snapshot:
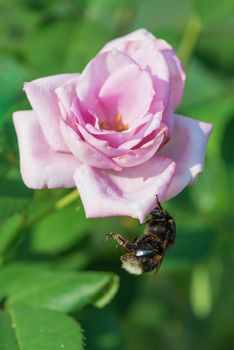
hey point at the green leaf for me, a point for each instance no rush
(213, 10)
(215, 45)
(59, 231)
(53, 41)
(17, 25)
(4, 164)
(165, 18)
(86, 41)
(102, 328)
(114, 15)
(201, 297)
(12, 76)
(190, 247)
(8, 230)
(201, 88)
(207, 98)
(195, 236)
(216, 42)
(58, 290)
(216, 36)
(14, 196)
(37, 329)
(227, 154)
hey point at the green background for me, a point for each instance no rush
(48, 248)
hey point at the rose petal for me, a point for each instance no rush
(140, 34)
(70, 107)
(101, 145)
(95, 74)
(168, 85)
(84, 152)
(153, 123)
(66, 93)
(187, 148)
(169, 118)
(40, 165)
(160, 58)
(129, 192)
(142, 154)
(42, 97)
(177, 75)
(127, 92)
(142, 47)
(147, 55)
(117, 139)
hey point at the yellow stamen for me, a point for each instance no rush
(125, 126)
(118, 118)
(119, 127)
(116, 125)
(104, 125)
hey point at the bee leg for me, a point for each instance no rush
(158, 203)
(123, 242)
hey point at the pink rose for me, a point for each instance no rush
(111, 130)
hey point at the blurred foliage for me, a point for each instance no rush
(52, 258)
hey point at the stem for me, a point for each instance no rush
(6, 254)
(189, 40)
(66, 200)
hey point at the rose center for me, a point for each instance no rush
(116, 124)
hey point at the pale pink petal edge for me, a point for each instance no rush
(130, 192)
(40, 166)
(44, 102)
(187, 147)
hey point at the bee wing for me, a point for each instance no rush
(158, 261)
(158, 265)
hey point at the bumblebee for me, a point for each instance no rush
(145, 253)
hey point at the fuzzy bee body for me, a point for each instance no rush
(145, 253)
